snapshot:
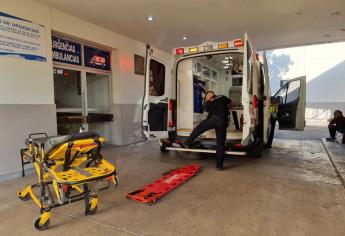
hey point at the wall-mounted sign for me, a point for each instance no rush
(139, 64)
(96, 58)
(21, 38)
(66, 51)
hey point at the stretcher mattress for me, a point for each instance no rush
(52, 142)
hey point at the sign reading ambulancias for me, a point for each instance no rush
(66, 51)
(21, 38)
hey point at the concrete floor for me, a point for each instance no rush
(292, 190)
(310, 133)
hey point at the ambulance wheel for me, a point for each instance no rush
(163, 149)
(41, 227)
(25, 197)
(255, 152)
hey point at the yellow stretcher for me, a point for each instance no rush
(69, 164)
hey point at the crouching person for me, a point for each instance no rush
(337, 124)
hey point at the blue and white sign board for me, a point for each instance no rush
(66, 51)
(21, 38)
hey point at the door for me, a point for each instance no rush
(156, 98)
(247, 91)
(291, 98)
(97, 104)
(69, 100)
(82, 101)
(267, 100)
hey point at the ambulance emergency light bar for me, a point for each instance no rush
(209, 46)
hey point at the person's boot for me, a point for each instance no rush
(330, 139)
(219, 167)
(187, 144)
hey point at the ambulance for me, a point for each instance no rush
(173, 100)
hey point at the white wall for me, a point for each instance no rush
(23, 81)
(31, 83)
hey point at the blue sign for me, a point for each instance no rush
(66, 51)
(96, 58)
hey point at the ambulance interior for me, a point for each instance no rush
(221, 73)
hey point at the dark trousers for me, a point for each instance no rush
(220, 126)
(333, 130)
(271, 134)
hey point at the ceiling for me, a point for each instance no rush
(270, 23)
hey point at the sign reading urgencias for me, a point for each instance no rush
(21, 38)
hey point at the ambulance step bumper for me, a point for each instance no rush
(238, 153)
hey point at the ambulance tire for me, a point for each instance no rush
(163, 149)
(255, 152)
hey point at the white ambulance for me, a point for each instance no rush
(173, 101)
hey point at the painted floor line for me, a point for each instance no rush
(333, 163)
(117, 228)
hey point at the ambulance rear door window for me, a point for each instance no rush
(157, 78)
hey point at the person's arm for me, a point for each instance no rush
(332, 122)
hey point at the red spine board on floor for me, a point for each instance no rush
(152, 192)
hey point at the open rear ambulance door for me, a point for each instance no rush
(292, 102)
(156, 97)
(247, 91)
(267, 100)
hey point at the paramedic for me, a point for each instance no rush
(217, 118)
(336, 124)
(274, 115)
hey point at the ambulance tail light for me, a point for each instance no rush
(179, 51)
(171, 105)
(255, 101)
(171, 122)
(238, 43)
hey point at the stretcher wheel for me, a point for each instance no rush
(41, 227)
(25, 197)
(117, 181)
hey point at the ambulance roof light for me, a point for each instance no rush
(223, 45)
(179, 51)
(193, 50)
(238, 43)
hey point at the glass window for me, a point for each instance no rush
(293, 91)
(157, 78)
(67, 88)
(97, 92)
(281, 94)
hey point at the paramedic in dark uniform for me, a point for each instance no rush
(218, 118)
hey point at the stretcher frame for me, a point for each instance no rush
(62, 169)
